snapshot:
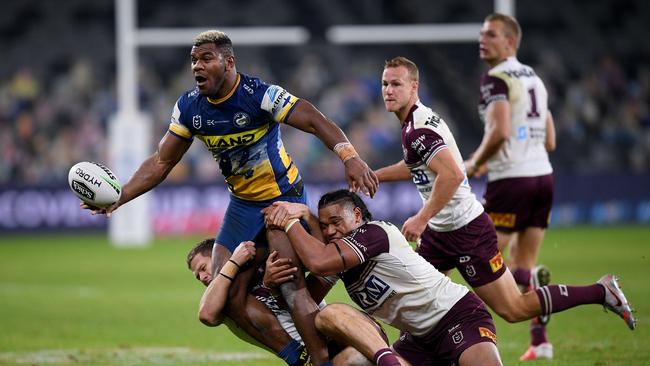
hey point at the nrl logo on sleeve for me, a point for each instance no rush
(196, 121)
(241, 119)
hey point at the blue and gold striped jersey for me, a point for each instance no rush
(242, 132)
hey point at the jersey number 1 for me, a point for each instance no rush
(533, 113)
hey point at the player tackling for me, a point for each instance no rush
(238, 118)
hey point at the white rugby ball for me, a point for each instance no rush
(94, 184)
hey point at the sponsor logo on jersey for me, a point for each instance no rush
(212, 122)
(230, 141)
(373, 290)
(484, 332)
(496, 262)
(503, 219)
(248, 89)
(217, 143)
(419, 176)
(522, 133)
(519, 73)
(464, 259)
(196, 122)
(433, 121)
(82, 189)
(241, 119)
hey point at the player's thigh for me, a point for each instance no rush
(481, 354)
(503, 296)
(279, 241)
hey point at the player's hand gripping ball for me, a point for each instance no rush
(94, 184)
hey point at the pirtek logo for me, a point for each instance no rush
(496, 262)
(88, 178)
(230, 141)
(82, 189)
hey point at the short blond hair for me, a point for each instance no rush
(219, 38)
(511, 25)
(411, 67)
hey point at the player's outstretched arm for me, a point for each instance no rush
(395, 172)
(215, 296)
(309, 119)
(319, 258)
(151, 172)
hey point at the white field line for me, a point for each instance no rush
(126, 356)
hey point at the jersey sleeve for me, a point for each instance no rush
(278, 102)
(368, 241)
(177, 126)
(493, 88)
(423, 144)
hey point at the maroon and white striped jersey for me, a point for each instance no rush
(524, 153)
(424, 134)
(394, 283)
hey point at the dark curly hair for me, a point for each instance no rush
(344, 196)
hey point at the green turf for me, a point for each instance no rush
(75, 300)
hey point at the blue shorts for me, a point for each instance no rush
(244, 220)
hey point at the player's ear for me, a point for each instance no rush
(230, 62)
(358, 215)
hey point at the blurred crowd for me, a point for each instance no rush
(53, 117)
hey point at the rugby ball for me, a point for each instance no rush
(94, 184)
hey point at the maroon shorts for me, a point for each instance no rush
(517, 203)
(472, 249)
(466, 324)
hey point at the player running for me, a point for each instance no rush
(452, 229)
(519, 132)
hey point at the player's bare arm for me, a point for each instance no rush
(549, 142)
(214, 298)
(395, 172)
(309, 119)
(448, 179)
(281, 211)
(319, 258)
(151, 172)
(497, 130)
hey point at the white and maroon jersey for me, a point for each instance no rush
(524, 153)
(424, 134)
(394, 283)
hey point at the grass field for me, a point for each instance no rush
(75, 300)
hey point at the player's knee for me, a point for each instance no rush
(325, 319)
(512, 314)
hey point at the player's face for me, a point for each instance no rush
(338, 220)
(209, 68)
(494, 45)
(201, 266)
(397, 88)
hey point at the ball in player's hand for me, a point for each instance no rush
(94, 184)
